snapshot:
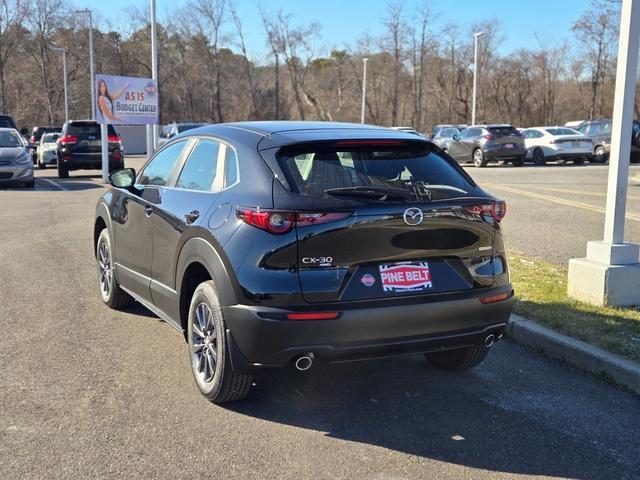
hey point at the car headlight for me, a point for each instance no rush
(23, 158)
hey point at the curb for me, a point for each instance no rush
(586, 357)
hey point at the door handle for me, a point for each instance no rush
(148, 211)
(192, 216)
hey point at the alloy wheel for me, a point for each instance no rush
(105, 270)
(204, 345)
(478, 158)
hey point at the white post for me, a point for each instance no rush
(475, 75)
(92, 72)
(104, 143)
(364, 88)
(611, 272)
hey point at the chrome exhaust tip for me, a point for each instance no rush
(304, 362)
(490, 340)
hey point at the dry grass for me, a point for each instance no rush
(541, 295)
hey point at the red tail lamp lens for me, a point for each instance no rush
(497, 210)
(495, 298)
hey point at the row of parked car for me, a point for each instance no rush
(503, 143)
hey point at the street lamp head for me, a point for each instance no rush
(365, 59)
(478, 34)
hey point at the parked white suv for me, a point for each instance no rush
(561, 144)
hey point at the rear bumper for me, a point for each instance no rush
(91, 162)
(361, 333)
(504, 153)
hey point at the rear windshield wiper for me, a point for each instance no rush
(377, 191)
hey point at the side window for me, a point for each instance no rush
(593, 129)
(199, 170)
(159, 169)
(231, 167)
(606, 128)
(465, 133)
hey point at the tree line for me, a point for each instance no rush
(420, 72)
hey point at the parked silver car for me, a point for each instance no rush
(444, 137)
(16, 166)
(48, 150)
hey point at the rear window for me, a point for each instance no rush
(315, 170)
(184, 128)
(562, 131)
(88, 129)
(503, 131)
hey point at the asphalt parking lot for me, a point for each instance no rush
(90, 392)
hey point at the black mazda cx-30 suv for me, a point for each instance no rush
(276, 243)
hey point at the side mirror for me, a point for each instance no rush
(124, 178)
(456, 137)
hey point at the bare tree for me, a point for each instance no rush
(12, 15)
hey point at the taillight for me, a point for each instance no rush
(269, 220)
(113, 139)
(496, 210)
(68, 140)
(274, 221)
(488, 137)
(313, 316)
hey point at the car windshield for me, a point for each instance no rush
(562, 131)
(408, 171)
(10, 140)
(50, 138)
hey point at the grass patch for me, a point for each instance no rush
(541, 295)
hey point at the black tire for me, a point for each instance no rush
(62, 171)
(208, 349)
(538, 157)
(578, 161)
(113, 296)
(459, 358)
(518, 162)
(599, 154)
(478, 158)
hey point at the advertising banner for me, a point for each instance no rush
(126, 100)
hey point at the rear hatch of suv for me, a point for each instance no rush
(379, 219)
(505, 138)
(83, 138)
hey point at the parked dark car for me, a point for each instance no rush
(276, 243)
(600, 133)
(6, 121)
(482, 144)
(437, 128)
(79, 147)
(36, 136)
(172, 129)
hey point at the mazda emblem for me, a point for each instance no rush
(413, 216)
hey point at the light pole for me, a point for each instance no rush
(153, 130)
(64, 74)
(364, 88)
(91, 68)
(475, 75)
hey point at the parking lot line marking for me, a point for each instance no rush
(579, 192)
(55, 184)
(561, 201)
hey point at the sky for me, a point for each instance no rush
(344, 21)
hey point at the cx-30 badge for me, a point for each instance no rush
(413, 216)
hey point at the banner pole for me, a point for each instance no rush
(104, 143)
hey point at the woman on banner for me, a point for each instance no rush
(105, 102)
